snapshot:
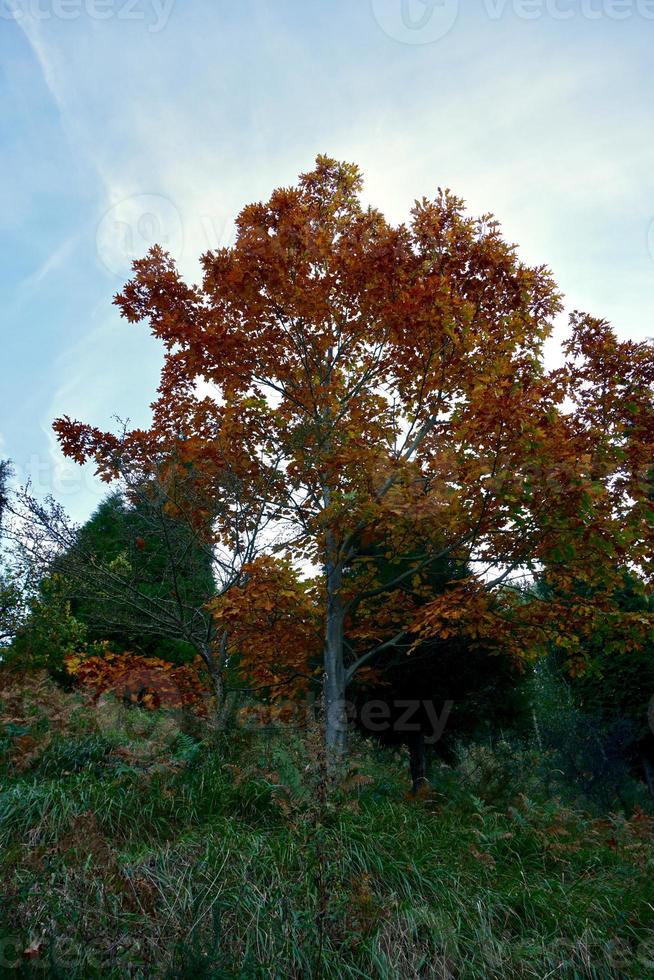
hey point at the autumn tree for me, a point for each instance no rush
(390, 379)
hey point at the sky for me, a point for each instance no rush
(126, 122)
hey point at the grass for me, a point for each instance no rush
(142, 850)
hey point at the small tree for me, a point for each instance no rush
(48, 631)
(168, 554)
(11, 593)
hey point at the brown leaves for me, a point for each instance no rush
(145, 681)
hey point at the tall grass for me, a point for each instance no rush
(235, 857)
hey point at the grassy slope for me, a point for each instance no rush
(129, 848)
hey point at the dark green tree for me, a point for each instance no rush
(442, 691)
(614, 692)
(162, 567)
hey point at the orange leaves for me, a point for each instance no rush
(466, 608)
(146, 681)
(504, 621)
(273, 626)
(365, 381)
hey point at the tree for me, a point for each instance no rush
(5, 472)
(389, 380)
(168, 554)
(440, 691)
(11, 594)
(122, 533)
(611, 680)
(47, 632)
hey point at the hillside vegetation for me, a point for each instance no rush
(140, 843)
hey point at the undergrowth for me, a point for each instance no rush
(148, 848)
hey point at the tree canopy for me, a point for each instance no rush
(366, 381)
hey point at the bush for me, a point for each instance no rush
(587, 758)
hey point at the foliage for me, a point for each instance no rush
(139, 569)
(49, 632)
(125, 536)
(12, 606)
(273, 624)
(388, 381)
(601, 727)
(615, 676)
(147, 682)
(11, 592)
(470, 676)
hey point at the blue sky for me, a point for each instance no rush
(126, 121)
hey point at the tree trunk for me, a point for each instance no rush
(218, 688)
(418, 762)
(214, 664)
(335, 712)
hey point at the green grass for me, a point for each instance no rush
(232, 858)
